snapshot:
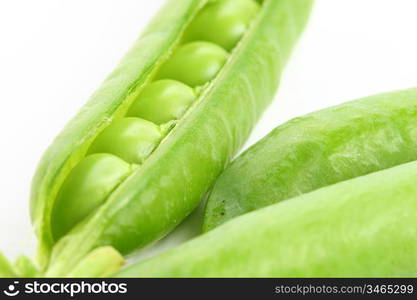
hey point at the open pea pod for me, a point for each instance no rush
(316, 150)
(139, 156)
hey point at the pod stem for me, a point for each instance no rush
(6, 269)
(99, 263)
(25, 267)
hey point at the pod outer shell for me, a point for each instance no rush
(363, 227)
(316, 150)
(170, 184)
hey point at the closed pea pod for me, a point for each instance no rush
(363, 227)
(316, 150)
(172, 156)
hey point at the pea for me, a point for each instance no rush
(363, 227)
(86, 188)
(223, 22)
(132, 139)
(194, 63)
(162, 101)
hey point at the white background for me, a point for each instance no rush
(54, 53)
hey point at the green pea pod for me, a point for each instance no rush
(125, 182)
(363, 227)
(316, 150)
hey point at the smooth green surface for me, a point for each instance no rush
(363, 227)
(223, 22)
(166, 188)
(163, 101)
(195, 63)
(316, 150)
(131, 139)
(85, 189)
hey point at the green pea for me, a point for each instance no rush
(223, 22)
(194, 64)
(132, 139)
(163, 101)
(87, 187)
